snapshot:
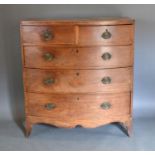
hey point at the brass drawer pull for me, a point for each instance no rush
(105, 105)
(48, 56)
(106, 34)
(48, 81)
(106, 56)
(47, 35)
(49, 106)
(106, 80)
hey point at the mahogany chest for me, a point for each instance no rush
(78, 72)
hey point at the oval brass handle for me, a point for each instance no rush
(106, 80)
(106, 56)
(105, 105)
(48, 56)
(48, 81)
(106, 34)
(49, 106)
(47, 35)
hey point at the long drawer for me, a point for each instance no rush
(78, 106)
(48, 57)
(74, 81)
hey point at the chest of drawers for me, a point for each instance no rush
(78, 72)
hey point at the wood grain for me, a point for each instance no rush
(77, 58)
(90, 21)
(91, 123)
(61, 34)
(77, 106)
(74, 81)
(120, 35)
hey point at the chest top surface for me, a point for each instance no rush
(91, 21)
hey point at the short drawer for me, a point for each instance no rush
(106, 35)
(48, 34)
(74, 81)
(47, 57)
(78, 106)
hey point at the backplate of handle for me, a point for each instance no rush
(106, 56)
(48, 56)
(105, 105)
(49, 106)
(106, 80)
(106, 34)
(48, 35)
(48, 81)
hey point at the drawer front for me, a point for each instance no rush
(78, 106)
(48, 34)
(74, 81)
(106, 35)
(80, 58)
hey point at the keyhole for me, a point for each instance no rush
(77, 74)
(78, 98)
(77, 51)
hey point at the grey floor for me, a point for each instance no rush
(108, 137)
